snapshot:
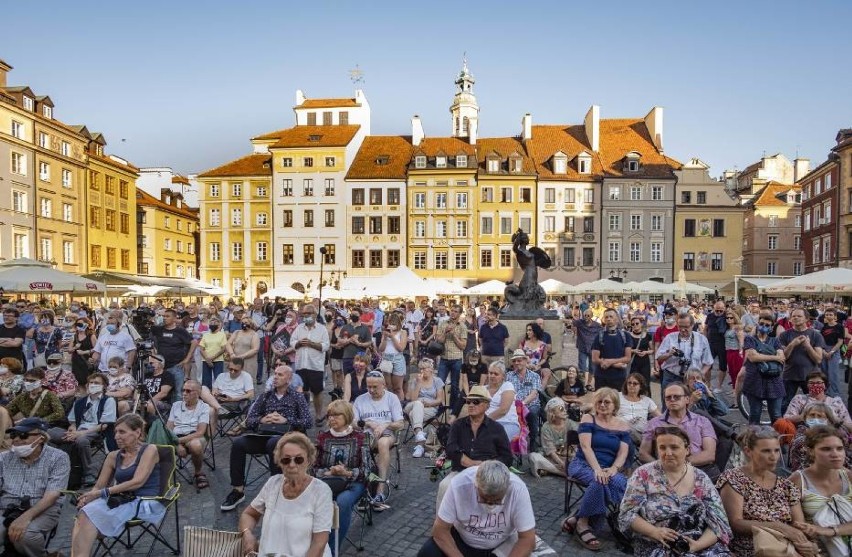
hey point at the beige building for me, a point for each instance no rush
(772, 231)
(708, 228)
(167, 230)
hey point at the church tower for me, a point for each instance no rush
(465, 110)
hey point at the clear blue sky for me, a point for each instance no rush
(188, 83)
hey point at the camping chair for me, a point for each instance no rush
(208, 456)
(571, 483)
(169, 494)
(232, 415)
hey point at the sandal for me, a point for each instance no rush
(588, 540)
(201, 481)
(569, 525)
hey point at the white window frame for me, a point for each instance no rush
(614, 251)
(614, 221)
(635, 193)
(440, 161)
(43, 171)
(215, 251)
(237, 189)
(17, 129)
(67, 178)
(68, 252)
(420, 161)
(43, 140)
(261, 219)
(419, 200)
(65, 148)
(656, 252)
(261, 251)
(67, 212)
(461, 200)
(441, 200)
(656, 193)
(236, 251)
(635, 252)
(635, 222)
(461, 161)
(215, 217)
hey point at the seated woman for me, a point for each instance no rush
(342, 462)
(11, 379)
(571, 388)
(554, 442)
(814, 415)
(536, 350)
(501, 408)
(60, 379)
(296, 509)
(816, 393)
(131, 471)
(671, 504)
(604, 447)
(754, 496)
(427, 395)
(826, 485)
(702, 398)
(636, 406)
(121, 385)
(355, 382)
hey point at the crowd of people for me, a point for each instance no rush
(325, 391)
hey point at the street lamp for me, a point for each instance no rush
(618, 275)
(323, 251)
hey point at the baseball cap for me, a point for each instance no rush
(55, 356)
(29, 424)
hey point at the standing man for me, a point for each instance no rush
(667, 327)
(527, 384)
(176, 345)
(804, 349)
(311, 342)
(611, 353)
(378, 321)
(587, 331)
(493, 338)
(354, 337)
(413, 317)
(453, 333)
(12, 337)
(258, 317)
(715, 326)
(834, 334)
(750, 318)
(678, 353)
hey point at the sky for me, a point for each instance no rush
(186, 84)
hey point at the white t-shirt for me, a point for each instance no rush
(234, 387)
(90, 416)
(288, 524)
(109, 346)
(511, 416)
(479, 526)
(636, 413)
(383, 411)
(185, 420)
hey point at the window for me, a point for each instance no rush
(307, 162)
(797, 268)
(826, 249)
(772, 241)
(485, 258)
(588, 225)
(526, 195)
(109, 188)
(393, 196)
(560, 165)
(493, 165)
(686, 197)
(505, 195)
(260, 191)
(167, 244)
(287, 187)
(441, 260)
(237, 190)
(28, 103)
(815, 251)
(614, 252)
(375, 196)
(287, 254)
(461, 201)
(357, 225)
(308, 254)
(656, 222)
(549, 223)
(506, 225)
(329, 187)
(584, 165)
(19, 163)
(287, 162)
(358, 196)
(65, 148)
(656, 193)
(190, 248)
(570, 223)
(635, 222)
(394, 226)
(689, 228)
(47, 112)
(656, 252)
(771, 267)
(487, 195)
(46, 249)
(287, 218)
(615, 222)
(486, 225)
(568, 257)
(588, 196)
(461, 260)
(718, 228)
(828, 181)
(633, 166)
(715, 261)
(797, 243)
(308, 187)
(124, 223)
(375, 225)
(17, 129)
(420, 161)
(67, 212)
(109, 220)
(260, 251)
(550, 195)
(588, 257)
(807, 224)
(773, 221)
(19, 201)
(261, 219)
(441, 229)
(701, 198)
(43, 171)
(525, 224)
(95, 217)
(570, 195)
(826, 212)
(236, 217)
(46, 207)
(330, 162)
(689, 261)
(461, 229)
(95, 255)
(68, 253)
(308, 218)
(818, 186)
(179, 246)
(635, 252)
(419, 229)
(419, 259)
(110, 258)
(614, 193)
(66, 178)
(441, 200)
(125, 259)
(440, 161)
(419, 200)
(376, 258)
(329, 257)
(43, 140)
(505, 258)
(215, 251)
(343, 118)
(461, 161)
(329, 218)
(20, 246)
(167, 222)
(635, 193)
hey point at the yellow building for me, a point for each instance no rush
(111, 210)
(235, 206)
(506, 201)
(167, 235)
(708, 233)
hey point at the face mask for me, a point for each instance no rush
(45, 322)
(288, 320)
(96, 389)
(22, 451)
(816, 390)
(3, 370)
(782, 314)
(764, 329)
(811, 422)
(53, 367)
(670, 321)
(309, 321)
(328, 317)
(30, 386)
(149, 368)
(355, 318)
(111, 329)
(75, 308)
(214, 328)
(244, 327)
(113, 371)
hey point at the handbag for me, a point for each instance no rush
(204, 542)
(338, 484)
(40, 359)
(435, 348)
(386, 366)
(836, 511)
(769, 542)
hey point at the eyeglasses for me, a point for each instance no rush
(674, 397)
(729, 319)
(474, 401)
(20, 435)
(234, 369)
(286, 460)
(816, 382)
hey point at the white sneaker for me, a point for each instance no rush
(420, 437)
(418, 451)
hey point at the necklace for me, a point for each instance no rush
(682, 476)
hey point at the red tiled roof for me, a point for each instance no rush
(258, 164)
(180, 180)
(316, 136)
(381, 157)
(547, 140)
(503, 146)
(328, 103)
(105, 159)
(449, 146)
(144, 199)
(768, 195)
(270, 136)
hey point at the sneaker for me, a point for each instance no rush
(89, 480)
(379, 504)
(420, 437)
(233, 499)
(418, 451)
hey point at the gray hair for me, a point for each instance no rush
(687, 315)
(695, 374)
(492, 478)
(499, 366)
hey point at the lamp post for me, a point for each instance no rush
(323, 251)
(618, 275)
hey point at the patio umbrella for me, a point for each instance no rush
(553, 287)
(292, 294)
(492, 287)
(28, 275)
(829, 281)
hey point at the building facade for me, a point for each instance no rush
(166, 229)
(772, 229)
(821, 216)
(770, 168)
(843, 150)
(708, 228)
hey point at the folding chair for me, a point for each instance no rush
(261, 459)
(209, 458)
(233, 414)
(572, 483)
(169, 495)
(439, 417)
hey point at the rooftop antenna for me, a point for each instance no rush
(356, 75)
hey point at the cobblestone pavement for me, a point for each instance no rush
(399, 531)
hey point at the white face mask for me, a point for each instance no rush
(4, 369)
(23, 451)
(53, 367)
(113, 371)
(30, 386)
(96, 389)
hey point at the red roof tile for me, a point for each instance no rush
(769, 194)
(144, 199)
(258, 164)
(328, 103)
(503, 147)
(449, 146)
(316, 136)
(381, 157)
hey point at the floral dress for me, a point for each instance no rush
(759, 503)
(47, 342)
(118, 382)
(63, 383)
(650, 496)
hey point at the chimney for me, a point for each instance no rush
(300, 97)
(800, 168)
(4, 69)
(416, 130)
(526, 125)
(473, 124)
(593, 127)
(654, 123)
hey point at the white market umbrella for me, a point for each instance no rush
(648, 287)
(402, 282)
(553, 287)
(447, 288)
(492, 287)
(600, 286)
(28, 275)
(291, 293)
(829, 281)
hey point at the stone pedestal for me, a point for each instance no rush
(518, 329)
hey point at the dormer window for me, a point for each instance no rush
(382, 160)
(48, 112)
(560, 163)
(420, 161)
(515, 164)
(461, 161)
(28, 103)
(631, 161)
(100, 150)
(441, 161)
(168, 202)
(314, 137)
(493, 165)
(584, 163)
(179, 205)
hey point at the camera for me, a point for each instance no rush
(119, 499)
(677, 352)
(12, 511)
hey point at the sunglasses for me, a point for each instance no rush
(729, 319)
(474, 401)
(188, 391)
(19, 435)
(286, 460)
(674, 397)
